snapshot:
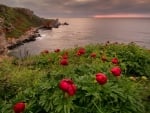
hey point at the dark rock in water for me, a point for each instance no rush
(37, 35)
(19, 42)
(46, 28)
(32, 38)
(48, 25)
(65, 23)
(11, 46)
(25, 40)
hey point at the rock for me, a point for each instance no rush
(49, 24)
(2, 50)
(2, 43)
(65, 23)
(29, 36)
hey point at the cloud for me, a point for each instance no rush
(82, 8)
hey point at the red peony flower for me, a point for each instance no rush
(68, 86)
(63, 85)
(45, 52)
(101, 78)
(103, 58)
(64, 62)
(116, 71)
(72, 90)
(93, 55)
(115, 61)
(19, 107)
(65, 56)
(80, 51)
(57, 50)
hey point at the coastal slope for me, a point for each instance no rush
(15, 23)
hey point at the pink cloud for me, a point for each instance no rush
(121, 16)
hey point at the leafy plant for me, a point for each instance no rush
(42, 82)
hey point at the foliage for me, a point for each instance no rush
(135, 58)
(35, 80)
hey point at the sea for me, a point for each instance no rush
(84, 31)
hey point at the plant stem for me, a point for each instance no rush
(97, 108)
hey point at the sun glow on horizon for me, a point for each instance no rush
(121, 16)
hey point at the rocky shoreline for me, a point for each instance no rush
(7, 45)
(32, 34)
(28, 36)
(16, 31)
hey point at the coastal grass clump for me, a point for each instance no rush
(102, 78)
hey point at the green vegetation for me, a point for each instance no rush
(18, 20)
(35, 80)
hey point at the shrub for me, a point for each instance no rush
(37, 82)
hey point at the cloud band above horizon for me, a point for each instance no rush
(83, 8)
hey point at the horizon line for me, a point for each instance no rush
(122, 16)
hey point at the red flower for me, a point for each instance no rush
(101, 78)
(93, 55)
(45, 52)
(19, 107)
(64, 62)
(80, 51)
(103, 58)
(116, 71)
(63, 85)
(68, 86)
(72, 89)
(65, 56)
(57, 50)
(115, 61)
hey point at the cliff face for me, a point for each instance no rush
(17, 26)
(2, 43)
(15, 22)
(2, 37)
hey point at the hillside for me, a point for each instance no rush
(15, 21)
(19, 25)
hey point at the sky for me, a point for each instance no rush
(84, 8)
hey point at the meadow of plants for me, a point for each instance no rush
(101, 78)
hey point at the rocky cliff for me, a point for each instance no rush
(16, 23)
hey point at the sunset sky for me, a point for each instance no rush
(84, 8)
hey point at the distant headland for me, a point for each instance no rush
(20, 25)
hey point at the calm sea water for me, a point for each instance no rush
(83, 31)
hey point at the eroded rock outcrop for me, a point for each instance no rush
(2, 44)
(19, 26)
(29, 36)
